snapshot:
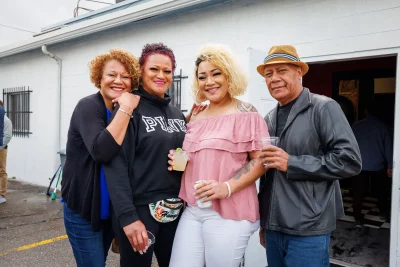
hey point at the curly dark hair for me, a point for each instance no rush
(126, 58)
(157, 48)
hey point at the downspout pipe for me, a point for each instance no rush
(59, 63)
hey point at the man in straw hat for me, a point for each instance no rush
(300, 198)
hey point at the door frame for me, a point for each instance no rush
(394, 222)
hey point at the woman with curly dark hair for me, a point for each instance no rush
(92, 142)
(144, 194)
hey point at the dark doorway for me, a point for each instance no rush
(354, 84)
(365, 82)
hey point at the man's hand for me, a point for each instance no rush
(275, 157)
(210, 190)
(389, 173)
(137, 236)
(262, 237)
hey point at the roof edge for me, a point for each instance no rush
(108, 21)
(90, 15)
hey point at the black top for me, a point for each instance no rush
(283, 114)
(89, 145)
(139, 174)
(2, 113)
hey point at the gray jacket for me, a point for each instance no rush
(7, 132)
(322, 148)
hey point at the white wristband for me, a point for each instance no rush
(229, 189)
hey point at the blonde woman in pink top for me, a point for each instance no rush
(223, 145)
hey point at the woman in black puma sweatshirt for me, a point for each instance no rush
(138, 175)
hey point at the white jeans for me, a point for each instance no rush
(204, 238)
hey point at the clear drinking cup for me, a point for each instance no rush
(180, 160)
(269, 141)
(151, 238)
(200, 203)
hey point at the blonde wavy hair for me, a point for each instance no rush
(223, 59)
(130, 62)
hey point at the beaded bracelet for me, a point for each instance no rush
(127, 113)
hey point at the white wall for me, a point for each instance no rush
(316, 28)
(33, 159)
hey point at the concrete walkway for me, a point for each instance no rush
(32, 231)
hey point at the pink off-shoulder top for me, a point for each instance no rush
(218, 148)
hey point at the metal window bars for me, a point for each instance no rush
(16, 102)
(175, 91)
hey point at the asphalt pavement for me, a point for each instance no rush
(32, 231)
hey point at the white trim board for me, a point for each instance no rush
(394, 232)
(384, 52)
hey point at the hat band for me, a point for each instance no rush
(288, 56)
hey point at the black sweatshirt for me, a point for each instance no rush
(89, 145)
(139, 174)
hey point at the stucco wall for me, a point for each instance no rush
(316, 28)
(33, 159)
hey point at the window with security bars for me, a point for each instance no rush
(17, 108)
(175, 91)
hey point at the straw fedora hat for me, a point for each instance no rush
(283, 54)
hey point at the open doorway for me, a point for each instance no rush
(355, 84)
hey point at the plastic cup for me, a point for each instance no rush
(269, 141)
(200, 203)
(151, 238)
(180, 160)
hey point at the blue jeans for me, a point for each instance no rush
(285, 250)
(90, 248)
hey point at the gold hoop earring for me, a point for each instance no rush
(197, 97)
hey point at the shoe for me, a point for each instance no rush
(359, 223)
(2, 199)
